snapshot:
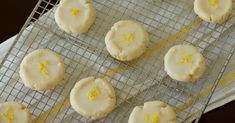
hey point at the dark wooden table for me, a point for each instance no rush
(15, 12)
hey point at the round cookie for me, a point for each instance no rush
(93, 98)
(214, 11)
(126, 40)
(184, 63)
(42, 69)
(75, 16)
(13, 112)
(153, 112)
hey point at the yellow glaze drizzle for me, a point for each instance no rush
(8, 115)
(43, 69)
(128, 37)
(213, 3)
(155, 118)
(93, 92)
(74, 11)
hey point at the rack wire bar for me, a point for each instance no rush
(168, 23)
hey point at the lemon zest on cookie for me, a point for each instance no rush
(155, 118)
(128, 37)
(186, 59)
(213, 3)
(42, 68)
(147, 117)
(8, 115)
(74, 11)
(93, 92)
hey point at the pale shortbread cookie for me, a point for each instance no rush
(93, 98)
(126, 40)
(42, 69)
(214, 11)
(184, 63)
(153, 112)
(14, 112)
(75, 16)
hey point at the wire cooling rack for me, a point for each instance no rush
(168, 23)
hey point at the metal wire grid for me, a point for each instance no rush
(85, 55)
(101, 29)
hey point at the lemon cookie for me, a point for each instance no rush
(214, 11)
(126, 40)
(75, 16)
(42, 69)
(184, 63)
(13, 112)
(153, 112)
(93, 98)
